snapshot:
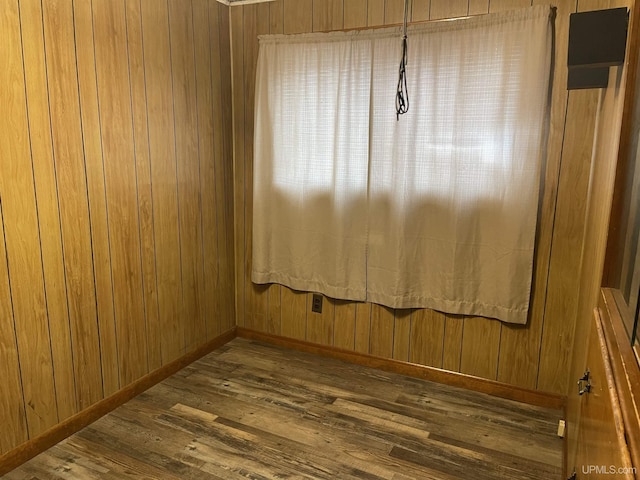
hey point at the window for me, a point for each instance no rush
(435, 210)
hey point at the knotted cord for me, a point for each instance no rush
(402, 94)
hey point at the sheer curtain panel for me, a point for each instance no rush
(435, 210)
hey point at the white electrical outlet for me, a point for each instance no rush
(561, 427)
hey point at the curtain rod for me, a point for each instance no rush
(552, 13)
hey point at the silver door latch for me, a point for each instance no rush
(584, 384)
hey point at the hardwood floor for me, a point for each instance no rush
(255, 411)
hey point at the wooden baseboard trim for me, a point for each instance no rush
(477, 384)
(19, 455)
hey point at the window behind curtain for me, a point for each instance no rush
(435, 210)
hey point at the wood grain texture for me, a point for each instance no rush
(185, 100)
(563, 290)
(250, 410)
(438, 375)
(219, 28)
(355, 13)
(522, 346)
(478, 7)
(344, 329)
(426, 337)
(402, 335)
(624, 366)
(164, 178)
(447, 9)
(34, 446)
(394, 11)
(294, 314)
(96, 191)
(601, 183)
(236, 20)
(210, 193)
(480, 347)
(22, 239)
(382, 330)
(518, 352)
(68, 146)
(601, 436)
(12, 408)
(47, 198)
(420, 10)
(118, 149)
(143, 179)
(375, 13)
(91, 285)
(452, 342)
(320, 325)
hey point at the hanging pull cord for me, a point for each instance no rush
(402, 94)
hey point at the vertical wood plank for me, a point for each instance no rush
(114, 96)
(480, 347)
(420, 10)
(274, 319)
(562, 288)
(478, 7)
(69, 152)
(519, 346)
(452, 344)
(320, 325)
(382, 325)
(95, 184)
(254, 294)
(328, 15)
(143, 179)
(185, 100)
(344, 325)
(355, 13)
(227, 163)
(21, 236)
(504, 5)
(256, 22)
(298, 16)
(274, 315)
(276, 16)
(448, 9)
(209, 189)
(219, 41)
(427, 334)
(402, 335)
(236, 16)
(375, 13)
(394, 11)
(363, 327)
(157, 66)
(12, 410)
(47, 200)
(294, 314)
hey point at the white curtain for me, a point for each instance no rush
(435, 210)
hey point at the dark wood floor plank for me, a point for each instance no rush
(256, 411)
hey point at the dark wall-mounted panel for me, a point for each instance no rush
(597, 41)
(580, 78)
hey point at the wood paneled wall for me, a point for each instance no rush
(116, 225)
(535, 356)
(600, 196)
